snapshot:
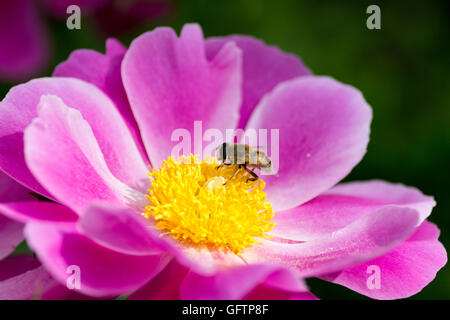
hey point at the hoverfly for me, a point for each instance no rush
(244, 157)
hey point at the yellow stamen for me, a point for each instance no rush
(190, 201)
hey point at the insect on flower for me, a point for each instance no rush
(243, 156)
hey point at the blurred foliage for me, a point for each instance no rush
(402, 70)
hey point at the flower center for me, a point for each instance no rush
(190, 201)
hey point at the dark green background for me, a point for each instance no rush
(402, 70)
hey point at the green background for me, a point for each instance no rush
(402, 70)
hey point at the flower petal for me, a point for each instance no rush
(263, 292)
(251, 282)
(103, 272)
(366, 238)
(12, 191)
(30, 211)
(238, 282)
(404, 271)
(15, 265)
(165, 286)
(11, 234)
(323, 133)
(388, 193)
(205, 261)
(116, 143)
(24, 50)
(24, 278)
(344, 204)
(120, 229)
(263, 68)
(62, 152)
(170, 84)
(103, 71)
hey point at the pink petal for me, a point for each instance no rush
(23, 278)
(245, 282)
(62, 152)
(103, 70)
(267, 293)
(30, 211)
(120, 229)
(170, 84)
(205, 261)
(388, 193)
(11, 234)
(165, 286)
(323, 131)
(116, 143)
(15, 265)
(103, 272)
(114, 48)
(24, 49)
(366, 238)
(11, 191)
(263, 68)
(404, 271)
(344, 204)
(238, 282)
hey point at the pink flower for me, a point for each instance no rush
(87, 137)
(25, 45)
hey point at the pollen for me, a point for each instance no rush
(198, 204)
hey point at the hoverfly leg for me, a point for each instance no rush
(234, 174)
(253, 177)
